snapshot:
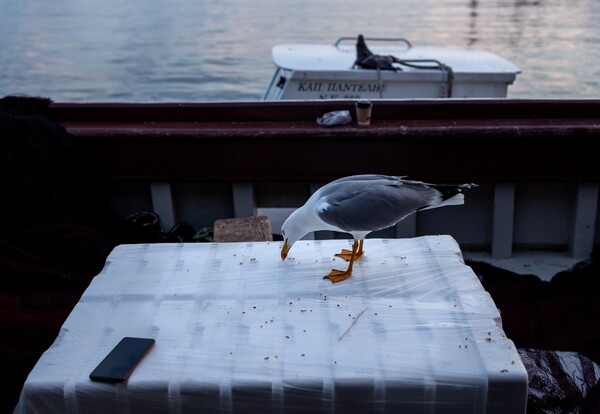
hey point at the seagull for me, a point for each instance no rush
(360, 204)
(366, 59)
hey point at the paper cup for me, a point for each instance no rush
(363, 112)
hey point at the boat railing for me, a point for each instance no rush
(535, 162)
(374, 39)
(426, 64)
(432, 64)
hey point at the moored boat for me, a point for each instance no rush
(318, 71)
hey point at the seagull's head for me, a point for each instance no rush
(285, 249)
(287, 241)
(291, 232)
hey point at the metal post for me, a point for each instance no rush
(162, 204)
(503, 220)
(583, 230)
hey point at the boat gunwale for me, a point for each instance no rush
(439, 140)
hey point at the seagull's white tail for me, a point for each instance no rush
(451, 195)
(456, 200)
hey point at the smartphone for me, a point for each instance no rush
(120, 362)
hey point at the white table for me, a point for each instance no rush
(238, 330)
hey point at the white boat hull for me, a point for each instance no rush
(311, 72)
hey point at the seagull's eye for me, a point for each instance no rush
(283, 233)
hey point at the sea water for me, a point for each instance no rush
(220, 50)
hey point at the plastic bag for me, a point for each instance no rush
(335, 118)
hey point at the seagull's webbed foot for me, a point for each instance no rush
(347, 254)
(338, 275)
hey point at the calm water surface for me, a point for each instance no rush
(216, 50)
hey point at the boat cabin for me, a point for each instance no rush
(317, 71)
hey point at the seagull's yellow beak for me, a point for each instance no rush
(285, 249)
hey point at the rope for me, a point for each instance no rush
(380, 81)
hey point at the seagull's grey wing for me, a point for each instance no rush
(373, 204)
(364, 177)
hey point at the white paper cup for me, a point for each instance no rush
(363, 112)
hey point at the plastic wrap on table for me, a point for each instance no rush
(238, 330)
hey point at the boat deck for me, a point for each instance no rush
(313, 57)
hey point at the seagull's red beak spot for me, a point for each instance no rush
(285, 249)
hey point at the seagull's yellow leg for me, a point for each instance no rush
(339, 275)
(347, 254)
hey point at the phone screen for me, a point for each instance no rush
(120, 362)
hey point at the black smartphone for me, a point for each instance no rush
(120, 362)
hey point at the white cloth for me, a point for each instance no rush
(238, 330)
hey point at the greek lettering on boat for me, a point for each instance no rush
(340, 90)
